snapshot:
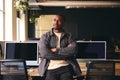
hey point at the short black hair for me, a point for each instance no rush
(63, 16)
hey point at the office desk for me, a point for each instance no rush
(34, 71)
(34, 75)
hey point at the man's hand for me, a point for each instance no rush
(69, 45)
(54, 49)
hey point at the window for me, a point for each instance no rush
(44, 24)
(2, 19)
(8, 22)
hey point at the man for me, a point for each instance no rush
(57, 51)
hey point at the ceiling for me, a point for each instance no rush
(36, 4)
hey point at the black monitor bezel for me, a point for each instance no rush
(93, 58)
(28, 62)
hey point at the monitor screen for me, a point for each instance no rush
(22, 50)
(91, 50)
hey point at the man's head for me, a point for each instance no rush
(58, 22)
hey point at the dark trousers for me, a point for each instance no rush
(62, 73)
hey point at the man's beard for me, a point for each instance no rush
(58, 28)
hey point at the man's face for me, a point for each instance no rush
(58, 22)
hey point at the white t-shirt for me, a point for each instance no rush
(57, 63)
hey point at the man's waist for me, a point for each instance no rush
(57, 63)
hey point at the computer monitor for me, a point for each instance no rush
(91, 50)
(27, 50)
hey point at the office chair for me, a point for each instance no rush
(13, 70)
(100, 70)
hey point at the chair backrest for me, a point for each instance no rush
(100, 70)
(13, 70)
